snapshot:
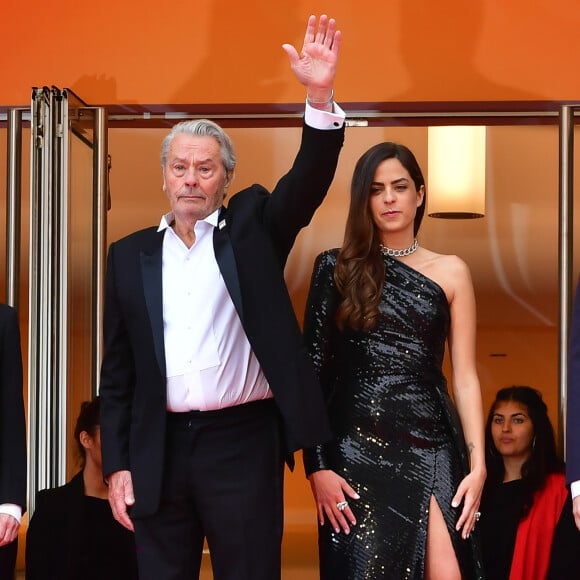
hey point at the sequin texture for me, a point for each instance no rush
(397, 436)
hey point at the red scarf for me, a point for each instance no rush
(536, 531)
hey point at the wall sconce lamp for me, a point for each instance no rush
(456, 172)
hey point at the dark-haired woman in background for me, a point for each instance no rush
(380, 311)
(527, 527)
(72, 534)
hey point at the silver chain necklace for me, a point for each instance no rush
(399, 253)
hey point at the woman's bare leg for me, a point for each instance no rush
(440, 559)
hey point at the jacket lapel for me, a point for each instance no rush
(224, 255)
(151, 270)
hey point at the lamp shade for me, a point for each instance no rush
(456, 172)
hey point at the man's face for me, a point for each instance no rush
(194, 177)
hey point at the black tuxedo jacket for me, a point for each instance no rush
(12, 422)
(252, 242)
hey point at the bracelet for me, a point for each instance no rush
(327, 102)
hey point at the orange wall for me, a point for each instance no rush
(226, 51)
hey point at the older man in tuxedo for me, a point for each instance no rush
(12, 440)
(206, 387)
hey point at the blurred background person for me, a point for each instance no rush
(527, 528)
(72, 534)
(12, 440)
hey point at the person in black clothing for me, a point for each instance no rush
(72, 534)
(397, 488)
(205, 383)
(527, 527)
(12, 440)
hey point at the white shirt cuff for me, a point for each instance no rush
(575, 488)
(12, 510)
(324, 120)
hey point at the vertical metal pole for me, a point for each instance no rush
(566, 220)
(13, 206)
(101, 204)
(60, 288)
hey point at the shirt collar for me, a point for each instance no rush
(169, 218)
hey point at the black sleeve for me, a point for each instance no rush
(40, 548)
(565, 554)
(12, 421)
(319, 332)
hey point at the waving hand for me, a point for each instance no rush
(315, 66)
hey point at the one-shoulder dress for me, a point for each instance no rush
(397, 435)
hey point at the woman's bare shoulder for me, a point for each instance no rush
(448, 270)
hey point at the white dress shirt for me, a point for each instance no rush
(11, 509)
(210, 363)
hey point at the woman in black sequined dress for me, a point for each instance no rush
(406, 460)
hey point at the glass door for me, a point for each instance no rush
(68, 206)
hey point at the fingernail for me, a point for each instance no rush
(356, 496)
(454, 503)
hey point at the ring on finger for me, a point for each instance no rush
(477, 515)
(341, 506)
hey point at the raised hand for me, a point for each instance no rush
(315, 66)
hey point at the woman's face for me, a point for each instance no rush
(393, 197)
(512, 430)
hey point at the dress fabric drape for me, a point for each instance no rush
(397, 436)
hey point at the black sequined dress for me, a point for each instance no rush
(397, 436)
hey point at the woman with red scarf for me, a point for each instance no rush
(526, 526)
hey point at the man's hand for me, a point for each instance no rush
(120, 496)
(315, 66)
(8, 529)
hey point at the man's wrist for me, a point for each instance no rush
(321, 103)
(12, 509)
(325, 120)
